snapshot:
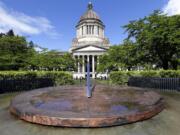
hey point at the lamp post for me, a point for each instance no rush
(88, 89)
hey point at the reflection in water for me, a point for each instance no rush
(160, 125)
(119, 108)
(58, 103)
(55, 105)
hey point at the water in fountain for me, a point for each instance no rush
(68, 106)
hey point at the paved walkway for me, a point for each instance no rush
(166, 123)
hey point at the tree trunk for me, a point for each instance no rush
(129, 68)
(174, 65)
(165, 65)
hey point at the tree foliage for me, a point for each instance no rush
(14, 51)
(52, 60)
(158, 39)
(119, 57)
(152, 42)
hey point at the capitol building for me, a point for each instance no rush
(89, 43)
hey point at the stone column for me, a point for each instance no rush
(87, 58)
(103, 33)
(78, 65)
(80, 32)
(95, 30)
(93, 67)
(84, 30)
(74, 56)
(100, 32)
(87, 29)
(90, 29)
(83, 67)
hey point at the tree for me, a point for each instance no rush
(128, 55)
(119, 57)
(31, 44)
(10, 33)
(52, 60)
(14, 52)
(158, 39)
(105, 64)
(69, 62)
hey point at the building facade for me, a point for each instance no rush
(89, 44)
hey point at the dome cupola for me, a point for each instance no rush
(90, 13)
(90, 30)
(90, 24)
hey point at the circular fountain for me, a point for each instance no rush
(68, 106)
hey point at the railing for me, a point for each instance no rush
(10, 85)
(172, 84)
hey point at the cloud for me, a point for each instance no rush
(24, 24)
(172, 7)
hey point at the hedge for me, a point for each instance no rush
(121, 77)
(11, 81)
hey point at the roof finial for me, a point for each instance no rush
(90, 6)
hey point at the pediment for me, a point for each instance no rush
(90, 48)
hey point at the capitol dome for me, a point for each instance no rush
(90, 14)
(90, 30)
(90, 42)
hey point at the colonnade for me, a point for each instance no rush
(90, 30)
(82, 62)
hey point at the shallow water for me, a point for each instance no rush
(166, 123)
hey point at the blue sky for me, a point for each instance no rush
(51, 23)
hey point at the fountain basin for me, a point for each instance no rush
(68, 106)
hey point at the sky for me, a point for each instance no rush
(51, 23)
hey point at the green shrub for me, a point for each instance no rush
(17, 75)
(132, 73)
(59, 77)
(150, 73)
(27, 80)
(169, 73)
(120, 77)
